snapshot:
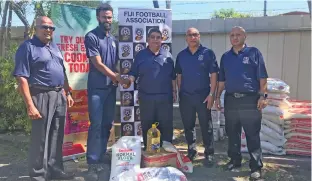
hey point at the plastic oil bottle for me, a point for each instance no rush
(153, 139)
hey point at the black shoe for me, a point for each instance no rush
(192, 154)
(93, 170)
(209, 160)
(58, 174)
(233, 166)
(256, 175)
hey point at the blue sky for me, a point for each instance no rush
(196, 9)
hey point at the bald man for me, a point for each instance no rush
(196, 69)
(40, 73)
(243, 76)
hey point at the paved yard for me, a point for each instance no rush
(13, 164)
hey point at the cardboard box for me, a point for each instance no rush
(161, 159)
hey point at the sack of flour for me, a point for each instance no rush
(126, 155)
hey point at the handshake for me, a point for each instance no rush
(124, 81)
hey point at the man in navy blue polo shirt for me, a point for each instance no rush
(244, 77)
(101, 49)
(197, 69)
(41, 76)
(155, 68)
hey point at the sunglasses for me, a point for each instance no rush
(46, 27)
(193, 35)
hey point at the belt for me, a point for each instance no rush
(240, 95)
(47, 88)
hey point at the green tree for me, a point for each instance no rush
(229, 13)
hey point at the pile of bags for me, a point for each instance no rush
(126, 163)
(272, 130)
(298, 129)
(218, 120)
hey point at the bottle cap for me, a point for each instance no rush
(155, 125)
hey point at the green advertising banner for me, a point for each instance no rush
(72, 23)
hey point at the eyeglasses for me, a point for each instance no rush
(193, 35)
(155, 37)
(52, 28)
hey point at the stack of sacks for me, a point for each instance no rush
(298, 128)
(272, 131)
(218, 121)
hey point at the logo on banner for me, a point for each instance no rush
(125, 50)
(127, 114)
(139, 129)
(165, 34)
(127, 128)
(138, 47)
(200, 57)
(125, 33)
(127, 97)
(139, 34)
(126, 66)
(166, 47)
(137, 112)
(246, 60)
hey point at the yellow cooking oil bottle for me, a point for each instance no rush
(153, 139)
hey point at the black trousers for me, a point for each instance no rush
(189, 106)
(47, 134)
(161, 111)
(243, 112)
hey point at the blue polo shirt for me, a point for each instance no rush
(242, 72)
(40, 63)
(155, 80)
(195, 70)
(98, 44)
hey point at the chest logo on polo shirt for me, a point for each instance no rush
(246, 60)
(200, 57)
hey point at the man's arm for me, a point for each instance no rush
(24, 90)
(179, 77)
(213, 82)
(262, 74)
(178, 71)
(213, 70)
(263, 85)
(97, 62)
(220, 89)
(221, 79)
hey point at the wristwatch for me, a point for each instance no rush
(211, 94)
(264, 95)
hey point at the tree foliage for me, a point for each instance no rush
(229, 13)
(13, 115)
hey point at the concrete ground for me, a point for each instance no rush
(13, 164)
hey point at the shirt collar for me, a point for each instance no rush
(38, 42)
(241, 51)
(102, 33)
(161, 51)
(199, 48)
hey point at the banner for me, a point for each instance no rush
(72, 24)
(134, 25)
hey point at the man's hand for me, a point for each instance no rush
(262, 103)
(70, 101)
(218, 104)
(209, 100)
(33, 113)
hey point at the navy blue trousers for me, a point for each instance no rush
(243, 112)
(101, 105)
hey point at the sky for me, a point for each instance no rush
(199, 9)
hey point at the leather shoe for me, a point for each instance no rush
(58, 174)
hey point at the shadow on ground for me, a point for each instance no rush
(13, 164)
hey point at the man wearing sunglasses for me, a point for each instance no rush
(196, 69)
(157, 87)
(41, 76)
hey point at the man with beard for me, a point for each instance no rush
(155, 69)
(244, 77)
(40, 73)
(101, 49)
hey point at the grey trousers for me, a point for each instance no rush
(45, 151)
